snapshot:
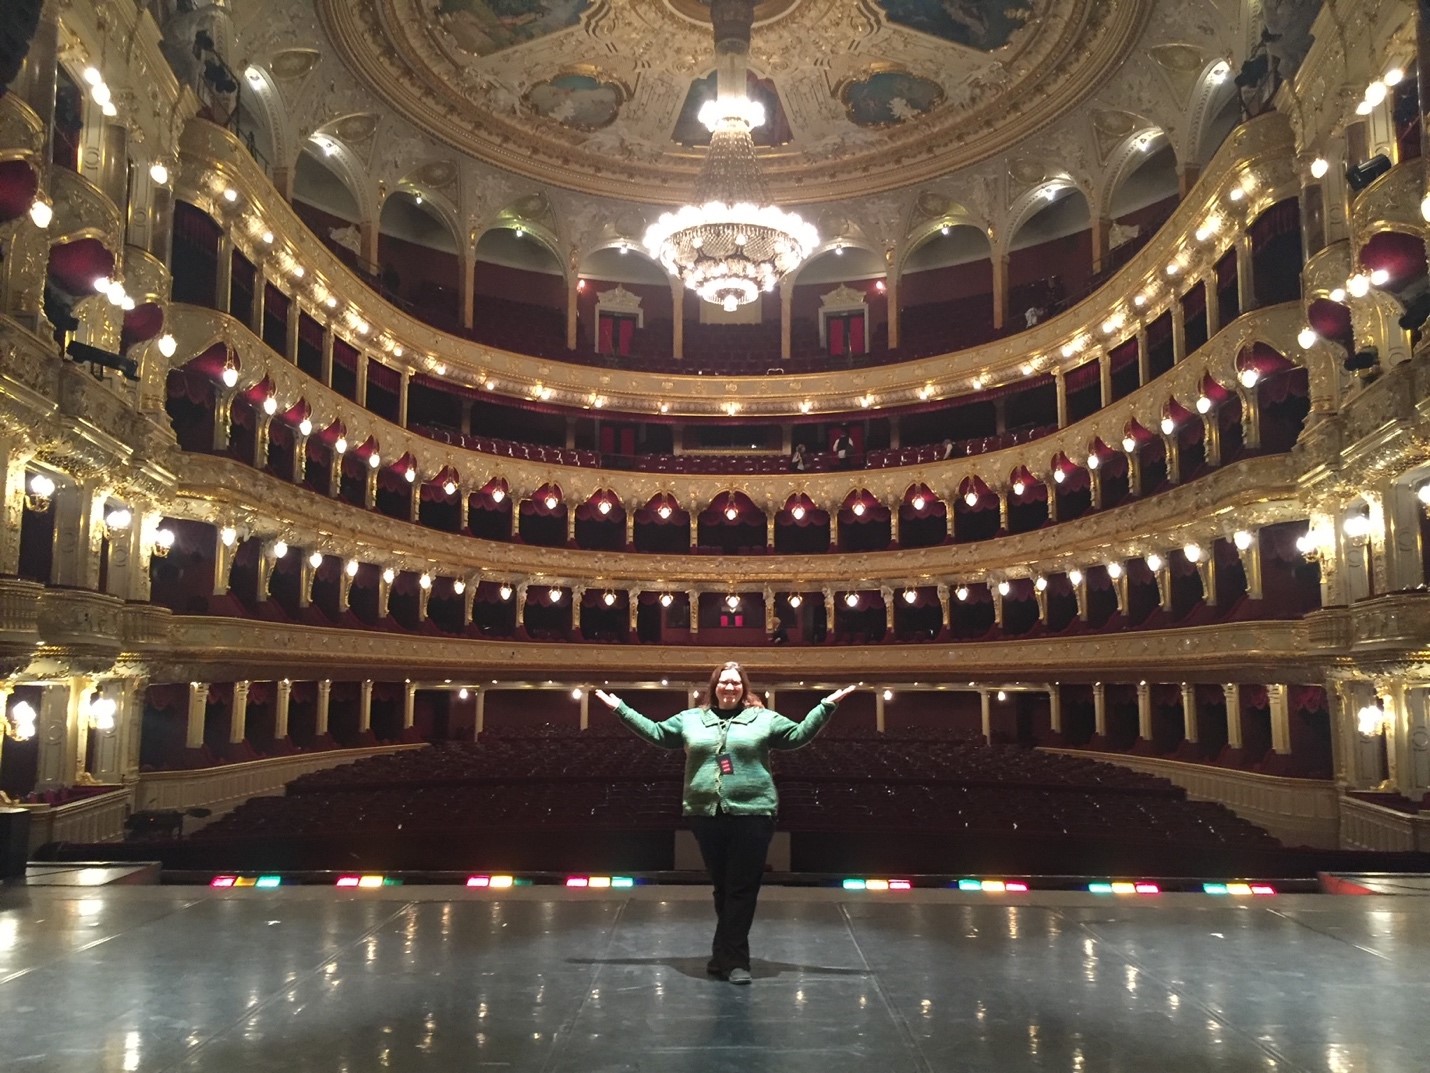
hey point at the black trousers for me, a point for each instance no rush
(734, 849)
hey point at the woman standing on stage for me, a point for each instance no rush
(729, 793)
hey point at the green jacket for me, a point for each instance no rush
(749, 790)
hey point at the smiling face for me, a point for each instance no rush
(729, 688)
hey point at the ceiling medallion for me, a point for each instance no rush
(732, 243)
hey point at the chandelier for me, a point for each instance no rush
(731, 243)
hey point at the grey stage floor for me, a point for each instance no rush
(438, 978)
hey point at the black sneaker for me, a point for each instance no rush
(712, 968)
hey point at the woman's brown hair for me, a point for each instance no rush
(748, 697)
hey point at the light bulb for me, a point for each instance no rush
(1307, 337)
(463, 693)
(1093, 462)
(1002, 695)
(610, 599)
(1129, 444)
(101, 713)
(229, 376)
(911, 596)
(1356, 525)
(1004, 588)
(1304, 544)
(315, 559)
(505, 593)
(1236, 194)
(305, 427)
(1193, 552)
(604, 506)
(389, 575)
(118, 519)
(971, 498)
(159, 173)
(498, 494)
(1394, 76)
(1370, 720)
(1423, 493)
(732, 602)
(374, 461)
(666, 599)
(1019, 487)
(1358, 285)
(425, 582)
(1248, 377)
(1380, 277)
(164, 538)
(664, 512)
(230, 195)
(409, 475)
(798, 512)
(852, 600)
(1075, 576)
(1242, 539)
(41, 213)
(917, 502)
(449, 487)
(1059, 476)
(961, 592)
(554, 595)
(551, 502)
(1375, 93)
(731, 513)
(858, 510)
(1114, 570)
(24, 718)
(228, 535)
(1041, 584)
(280, 549)
(270, 406)
(459, 586)
(351, 568)
(1154, 562)
(1319, 167)
(795, 599)
(1204, 404)
(1168, 426)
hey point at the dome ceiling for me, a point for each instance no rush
(600, 96)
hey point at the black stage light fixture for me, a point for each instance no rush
(1416, 313)
(1361, 360)
(102, 359)
(1362, 175)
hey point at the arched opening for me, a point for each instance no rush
(1140, 203)
(330, 209)
(1050, 257)
(624, 307)
(418, 259)
(840, 308)
(520, 297)
(946, 292)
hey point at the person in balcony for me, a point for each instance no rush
(843, 449)
(729, 794)
(945, 450)
(799, 461)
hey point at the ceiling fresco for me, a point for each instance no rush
(486, 26)
(980, 24)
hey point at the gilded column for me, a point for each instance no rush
(238, 713)
(198, 706)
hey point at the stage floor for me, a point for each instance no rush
(151, 979)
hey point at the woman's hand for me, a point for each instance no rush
(838, 695)
(610, 700)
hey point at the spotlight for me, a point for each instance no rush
(1362, 175)
(98, 359)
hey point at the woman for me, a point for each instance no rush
(799, 461)
(729, 793)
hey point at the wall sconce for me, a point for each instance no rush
(37, 498)
(425, 582)
(852, 600)
(1356, 527)
(794, 600)
(1372, 720)
(118, 521)
(961, 592)
(19, 722)
(732, 602)
(163, 543)
(666, 599)
(315, 559)
(1307, 546)
(459, 587)
(554, 595)
(609, 599)
(351, 568)
(389, 576)
(911, 596)
(101, 713)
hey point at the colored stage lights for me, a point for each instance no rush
(1123, 887)
(600, 882)
(492, 882)
(993, 886)
(367, 882)
(1238, 889)
(260, 882)
(858, 883)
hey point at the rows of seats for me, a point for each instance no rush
(563, 780)
(534, 452)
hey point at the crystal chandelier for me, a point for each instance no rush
(731, 243)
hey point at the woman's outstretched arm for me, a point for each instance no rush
(787, 734)
(667, 734)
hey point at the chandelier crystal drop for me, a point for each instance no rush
(731, 243)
